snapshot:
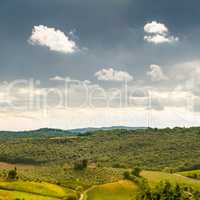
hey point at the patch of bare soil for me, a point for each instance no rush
(4, 165)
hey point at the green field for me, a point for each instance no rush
(33, 191)
(155, 177)
(13, 195)
(195, 174)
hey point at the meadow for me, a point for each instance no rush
(30, 190)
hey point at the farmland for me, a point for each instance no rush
(92, 165)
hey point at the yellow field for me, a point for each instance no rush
(125, 190)
(13, 195)
(32, 190)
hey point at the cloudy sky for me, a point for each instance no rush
(74, 63)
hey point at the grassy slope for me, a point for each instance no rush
(112, 191)
(155, 177)
(127, 190)
(193, 174)
(13, 195)
(32, 189)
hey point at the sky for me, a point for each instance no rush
(73, 63)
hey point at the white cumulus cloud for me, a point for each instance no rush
(57, 78)
(158, 39)
(55, 40)
(158, 33)
(155, 27)
(156, 73)
(113, 75)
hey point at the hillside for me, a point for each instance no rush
(46, 161)
(150, 149)
(128, 190)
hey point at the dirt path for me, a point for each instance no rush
(84, 193)
(81, 197)
(4, 165)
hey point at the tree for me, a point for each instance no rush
(136, 171)
(145, 190)
(85, 163)
(178, 192)
(127, 175)
(12, 174)
(81, 165)
(164, 191)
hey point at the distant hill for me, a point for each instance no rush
(93, 129)
(48, 132)
(40, 133)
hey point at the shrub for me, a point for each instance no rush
(129, 176)
(79, 188)
(71, 197)
(169, 170)
(66, 167)
(118, 165)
